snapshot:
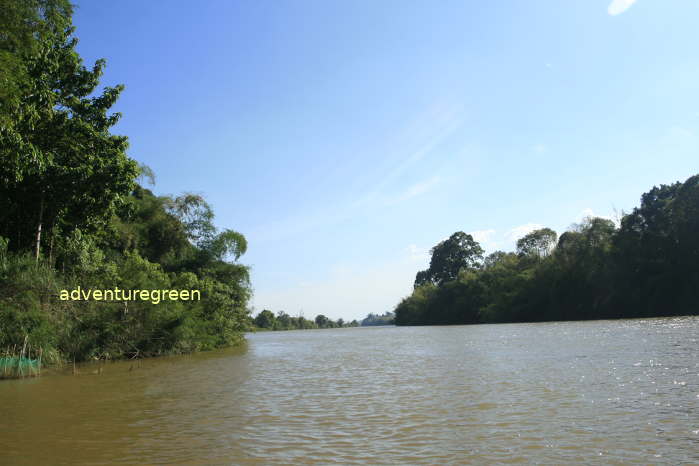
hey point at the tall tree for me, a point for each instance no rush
(62, 168)
(538, 243)
(657, 250)
(459, 251)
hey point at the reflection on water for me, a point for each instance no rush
(575, 392)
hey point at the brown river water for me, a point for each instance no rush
(602, 392)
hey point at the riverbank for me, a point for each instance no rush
(78, 330)
(76, 214)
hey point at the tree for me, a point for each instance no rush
(304, 323)
(227, 243)
(413, 309)
(21, 23)
(322, 321)
(494, 258)
(61, 167)
(284, 320)
(195, 214)
(265, 319)
(657, 250)
(459, 251)
(146, 173)
(538, 243)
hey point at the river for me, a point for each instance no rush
(600, 392)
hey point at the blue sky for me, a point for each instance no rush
(346, 138)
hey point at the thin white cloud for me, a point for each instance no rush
(424, 135)
(589, 213)
(617, 7)
(415, 190)
(485, 239)
(482, 235)
(521, 230)
(445, 123)
(309, 221)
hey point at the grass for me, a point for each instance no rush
(16, 365)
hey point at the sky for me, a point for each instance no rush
(345, 139)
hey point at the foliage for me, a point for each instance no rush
(375, 319)
(62, 168)
(538, 243)
(72, 214)
(24, 28)
(649, 266)
(459, 251)
(266, 320)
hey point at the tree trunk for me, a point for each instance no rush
(51, 248)
(38, 227)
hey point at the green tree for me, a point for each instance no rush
(494, 258)
(538, 243)
(657, 249)
(195, 214)
(22, 24)
(265, 319)
(61, 167)
(284, 320)
(459, 251)
(322, 321)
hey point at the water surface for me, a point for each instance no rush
(573, 392)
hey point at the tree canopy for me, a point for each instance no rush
(538, 243)
(449, 257)
(647, 266)
(266, 320)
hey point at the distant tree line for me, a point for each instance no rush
(282, 321)
(378, 319)
(647, 266)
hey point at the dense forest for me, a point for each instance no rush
(647, 266)
(266, 320)
(74, 212)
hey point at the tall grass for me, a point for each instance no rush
(25, 328)
(22, 364)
